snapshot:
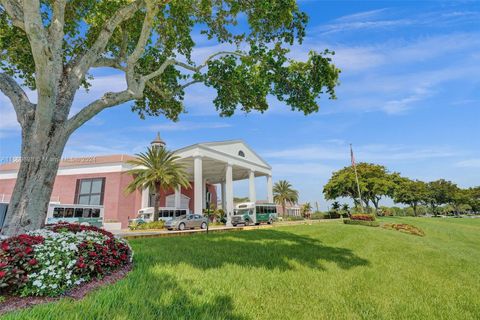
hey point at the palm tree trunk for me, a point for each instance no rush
(156, 205)
(283, 209)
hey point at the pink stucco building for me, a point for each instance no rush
(101, 180)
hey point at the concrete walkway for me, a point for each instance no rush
(127, 234)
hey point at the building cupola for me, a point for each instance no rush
(158, 142)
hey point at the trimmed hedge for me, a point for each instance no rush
(363, 217)
(362, 223)
(160, 224)
(294, 218)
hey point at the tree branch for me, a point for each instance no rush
(184, 65)
(94, 53)
(109, 63)
(56, 32)
(36, 34)
(144, 36)
(15, 11)
(17, 96)
(109, 99)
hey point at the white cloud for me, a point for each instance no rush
(309, 168)
(469, 163)
(363, 153)
(361, 16)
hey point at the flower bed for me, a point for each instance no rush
(403, 227)
(50, 261)
(362, 217)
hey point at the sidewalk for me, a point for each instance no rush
(127, 234)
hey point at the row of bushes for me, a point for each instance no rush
(362, 222)
(362, 217)
(160, 224)
(48, 262)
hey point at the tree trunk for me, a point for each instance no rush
(156, 204)
(414, 206)
(283, 209)
(40, 158)
(375, 204)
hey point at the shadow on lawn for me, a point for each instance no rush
(271, 249)
(179, 304)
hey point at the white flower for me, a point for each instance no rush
(37, 283)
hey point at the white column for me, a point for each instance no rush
(197, 184)
(178, 197)
(223, 192)
(145, 197)
(251, 186)
(269, 189)
(229, 193)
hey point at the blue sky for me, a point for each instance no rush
(409, 99)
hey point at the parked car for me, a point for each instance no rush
(189, 221)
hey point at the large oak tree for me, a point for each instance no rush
(374, 180)
(51, 46)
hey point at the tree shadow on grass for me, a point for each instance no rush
(142, 295)
(270, 249)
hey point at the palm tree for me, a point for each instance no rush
(306, 209)
(157, 169)
(335, 206)
(345, 209)
(283, 193)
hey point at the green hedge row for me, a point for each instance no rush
(362, 223)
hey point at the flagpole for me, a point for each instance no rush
(356, 177)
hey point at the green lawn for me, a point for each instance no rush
(319, 271)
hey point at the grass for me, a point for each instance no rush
(318, 271)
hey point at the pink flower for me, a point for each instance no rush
(32, 262)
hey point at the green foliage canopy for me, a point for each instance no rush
(160, 37)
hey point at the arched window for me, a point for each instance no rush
(241, 153)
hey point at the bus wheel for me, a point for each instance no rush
(203, 226)
(270, 221)
(257, 224)
(234, 224)
(181, 226)
(247, 223)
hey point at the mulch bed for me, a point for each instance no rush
(13, 303)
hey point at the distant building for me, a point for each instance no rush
(101, 180)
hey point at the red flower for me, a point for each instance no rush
(32, 262)
(5, 246)
(3, 264)
(2, 274)
(28, 250)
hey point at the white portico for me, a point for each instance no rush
(223, 163)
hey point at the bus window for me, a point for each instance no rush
(68, 212)
(58, 212)
(87, 212)
(95, 213)
(78, 212)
